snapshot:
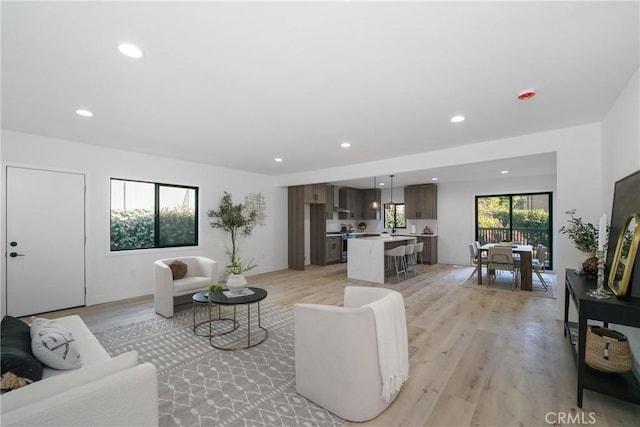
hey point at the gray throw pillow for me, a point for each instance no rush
(53, 345)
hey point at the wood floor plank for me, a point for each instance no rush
(484, 357)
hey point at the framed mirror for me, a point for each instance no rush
(624, 255)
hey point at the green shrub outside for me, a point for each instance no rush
(134, 229)
(522, 218)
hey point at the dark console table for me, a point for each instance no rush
(622, 312)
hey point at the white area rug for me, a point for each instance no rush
(202, 386)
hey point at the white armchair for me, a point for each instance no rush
(337, 356)
(201, 273)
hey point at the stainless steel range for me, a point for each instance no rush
(346, 235)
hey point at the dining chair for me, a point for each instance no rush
(538, 264)
(501, 259)
(473, 254)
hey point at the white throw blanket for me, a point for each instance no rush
(393, 351)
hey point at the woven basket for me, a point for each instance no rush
(608, 350)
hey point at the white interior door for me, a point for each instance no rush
(45, 241)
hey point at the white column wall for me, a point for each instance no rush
(115, 276)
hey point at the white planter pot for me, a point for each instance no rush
(236, 283)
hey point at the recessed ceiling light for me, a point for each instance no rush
(277, 159)
(434, 179)
(381, 184)
(504, 172)
(457, 119)
(84, 113)
(345, 144)
(130, 50)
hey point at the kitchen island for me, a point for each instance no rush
(366, 256)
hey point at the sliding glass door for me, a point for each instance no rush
(520, 218)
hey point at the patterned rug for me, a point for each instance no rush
(201, 386)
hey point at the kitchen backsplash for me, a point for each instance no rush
(375, 226)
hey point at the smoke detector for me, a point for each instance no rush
(526, 94)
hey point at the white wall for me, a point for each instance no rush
(456, 211)
(620, 157)
(115, 276)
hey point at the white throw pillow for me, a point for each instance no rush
(53, 345)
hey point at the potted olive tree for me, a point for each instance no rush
(238, 221)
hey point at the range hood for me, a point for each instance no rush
(336, 201)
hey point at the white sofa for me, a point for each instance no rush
(201, 274)
(104, 392)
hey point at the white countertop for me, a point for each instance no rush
(394, 238)
(360, 235)
(415, 235)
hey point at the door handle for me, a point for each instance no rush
(15, 254)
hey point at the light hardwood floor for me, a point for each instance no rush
(484, 358)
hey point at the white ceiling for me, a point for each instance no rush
(237, 84)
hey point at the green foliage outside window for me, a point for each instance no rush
(493, 212)
(135, 229)
(394, 216)
(177, 227)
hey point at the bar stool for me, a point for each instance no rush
(418, 252)
(410, 259)
(397, 254)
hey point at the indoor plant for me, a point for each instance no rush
(584, 235)
(238, 221)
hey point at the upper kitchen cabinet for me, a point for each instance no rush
(350, 199)
(421, 201)
(330, 195)
(367, 197)
(315, 193)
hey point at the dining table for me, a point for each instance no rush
(526, 271)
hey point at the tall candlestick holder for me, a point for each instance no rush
(600, 292)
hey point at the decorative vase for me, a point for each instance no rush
(236, 283)
(582, 257)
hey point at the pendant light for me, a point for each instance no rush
(391, 204)
(374, 204)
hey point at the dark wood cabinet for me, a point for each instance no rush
(429, 250)
(329, 197)
(298, 197)
(295, 227)
(350, 199)
(623, 386)
(367, 197)
(317, 234)
(334, 249)
(315, 193)
(421, 201)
